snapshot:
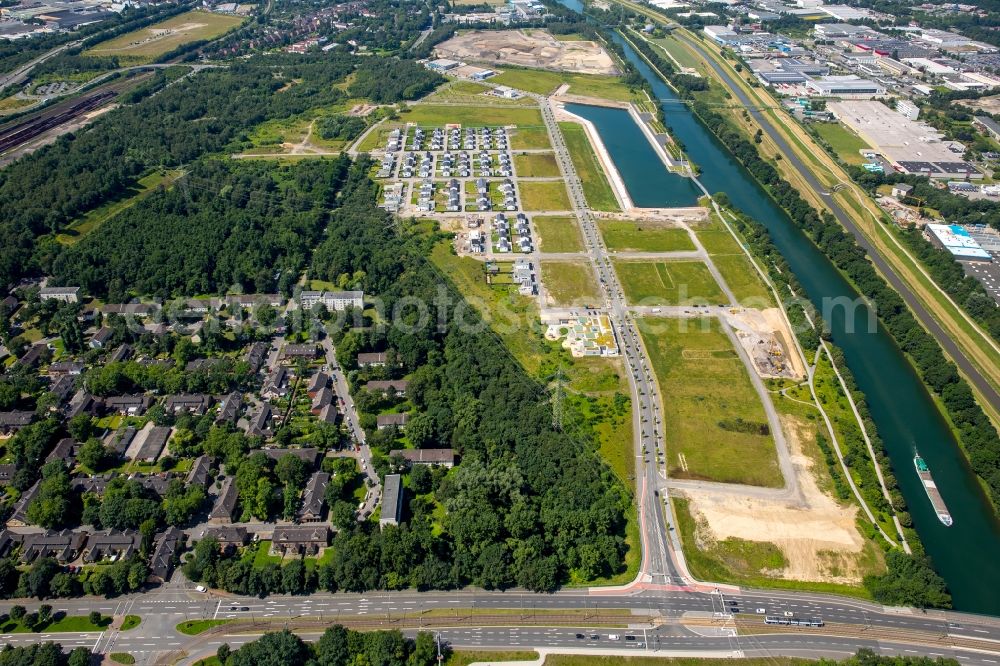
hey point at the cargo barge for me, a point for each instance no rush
(932, 491)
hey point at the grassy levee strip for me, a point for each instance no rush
(596, 188)
(713, 419)
(545, 82)
(976, 344)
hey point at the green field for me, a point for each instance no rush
(596, 188)
(593, 660)
(544, 82)
(678, 52)
(63, 623)
(471, 93)
(735, 266)
(148, 44)
(98, 216)
(668, 283)
(530, 138)
(843, 141)
(437, 115)
(643, 237)
(536, 165)
(558, 234)
(195, 627)
(705, 387)
(569, 283)
(544, 196)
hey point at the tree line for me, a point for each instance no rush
(338, 646)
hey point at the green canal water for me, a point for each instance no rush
(904, 412)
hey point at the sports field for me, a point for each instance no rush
(710, 406)
(668, 283)
(558, 234)
(147, 44)
(643, 237)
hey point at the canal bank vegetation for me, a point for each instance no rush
(596, 188)
(976, 434)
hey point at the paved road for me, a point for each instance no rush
(21, 73)
(953, 350)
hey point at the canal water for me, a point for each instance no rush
(904, 412)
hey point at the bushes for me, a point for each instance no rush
(909, 581)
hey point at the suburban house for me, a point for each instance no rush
(371, 360)
(314, 498)
(19, 517)
(260, 422)
(322, 398)
(120, 441)
(317, 383)
(82, 403)
(128, 405)
(396, 387)
(11, 422)
(161, 562)
(63, 545)
(384, 421)
(64, 294)
(101, 338)
(111, 544)
(65, 368)
(64, 450)
(276, 384)
(229, 408)
(300, 540)
(198, 476)
(256, 355)
(309, 456)
(443, 457)
(392, 500)
(307, 351)
(224, 509)
(229, 537)
(152, 444)
(328, 414)
(195, 403)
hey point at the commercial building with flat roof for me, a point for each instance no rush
(956, 240)
(845, 86)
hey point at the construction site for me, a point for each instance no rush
(528, 48)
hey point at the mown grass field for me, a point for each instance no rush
(195, 627)
(437, 115)
(641, 237)
(530, 138)
(592, 660)
(147, 44)
(543, 196)
(544, 82)
(596, 188)
(843, 141)
(558, 234)
(536, 165)
(705, 387)
(735, 266)
(570, 283)
(668, 283)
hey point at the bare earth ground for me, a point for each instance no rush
(770, 322)
(817, 539)
(535, 49)
(989, 104)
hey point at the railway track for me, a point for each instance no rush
(24, 132)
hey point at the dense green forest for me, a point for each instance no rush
(245, 224)
(528, 506)
(198, 115)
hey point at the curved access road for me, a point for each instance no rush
(971, 372)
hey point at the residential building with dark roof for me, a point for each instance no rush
(64, 294)
(309, 456)
(120, 441)
(256, 355)
(121, 353)
(101, 338)
(64, 450)
(229, 537)
(111, 544)
(314, 498)
(224, 510)
(300, 540)
(329, 414)
(153, 443)
(443, 457)
(292, 352)
(371, 360)
(392, 500)
(82, 403)
(230, 408)
(64, 546)
(65, 368)
(128, 405)
(19, 517)
(63, 387)
(276, 385)
(193, 403)
(322, 398)
(396, 387)
(317, 383)
(32, 356)
(9, 541)
(161, 562)
(260, 423)
(198, 476)
(11, 422)
(383, 421)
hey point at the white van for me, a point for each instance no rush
(614, 637)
